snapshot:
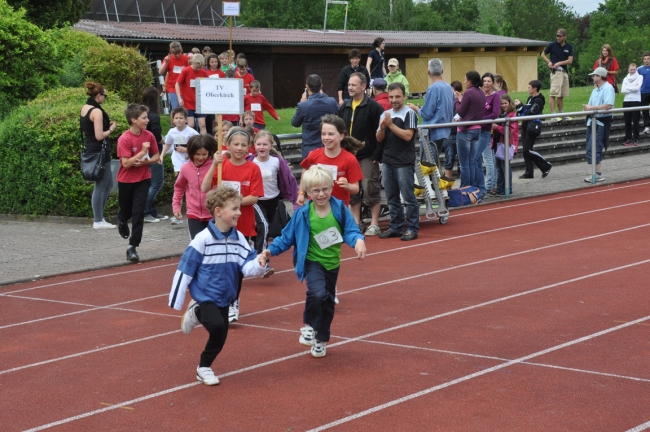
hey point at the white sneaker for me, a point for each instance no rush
(318, 349)
(206, 376)
(175, 221)
(151, 219)
(189, 321)
(372, 230)
(336, 297)
(103, 225)
(307, 335)
(233, 311)
(646, 131)
(599, 178)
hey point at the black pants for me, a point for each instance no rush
(630, 117)
(532, 157)
(215, 321)
(133, 198)
(195, 226)
(319, 306)
(265, 211)
(645, 101)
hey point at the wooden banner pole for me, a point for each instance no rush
(220, 141)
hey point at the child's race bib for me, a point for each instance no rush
(256, 107)
(329, 237)
(193, 83)
(177, 69)
(233, 184)
(331, 168)
(267, 175)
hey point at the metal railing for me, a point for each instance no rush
(506, 135)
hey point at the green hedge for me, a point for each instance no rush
(71, 45)
(120, 69)
(29, 59)
(40, 147)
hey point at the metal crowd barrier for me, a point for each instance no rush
(506, 137)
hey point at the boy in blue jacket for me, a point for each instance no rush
(317, 231)
(212, 266)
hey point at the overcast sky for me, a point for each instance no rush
(583, 6)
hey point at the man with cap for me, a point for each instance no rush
(395, 75)
(379, 93)
(602, 98)
(561, 55)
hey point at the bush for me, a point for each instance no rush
(30, 62)
(120, 69)
(40, 155)
(71, 44)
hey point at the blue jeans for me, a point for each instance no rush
(490, 164)
(450, 152)
(157, 177)
(485, 138)
(173, 100)
(400, 180)
(600, 143)
(501, 176)
(467, 147)
(319, 306)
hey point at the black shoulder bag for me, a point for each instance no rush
(92, 164)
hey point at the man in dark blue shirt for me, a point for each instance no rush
(561, 55)
(311, 108)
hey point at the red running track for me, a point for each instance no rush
(523, 315)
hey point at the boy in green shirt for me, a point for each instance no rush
(317, 231)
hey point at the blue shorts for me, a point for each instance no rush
(193, 113)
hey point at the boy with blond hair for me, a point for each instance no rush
(316, 231)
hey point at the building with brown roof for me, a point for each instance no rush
(281, 59)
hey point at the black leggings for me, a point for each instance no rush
(265, 211)
(532, 157)
(133, 198)
(215, 321)
(195, 226)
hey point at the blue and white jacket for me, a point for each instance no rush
(211, 266)
(297, 234)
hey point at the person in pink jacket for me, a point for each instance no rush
(201, 149)
(498, 131)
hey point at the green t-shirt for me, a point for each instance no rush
(324, 231)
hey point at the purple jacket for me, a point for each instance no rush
(286, 180)
(492, 110)
(472, 107)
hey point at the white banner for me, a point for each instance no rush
(230, 9)
(219, 96)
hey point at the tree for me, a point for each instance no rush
(52, 13)
(539, 19)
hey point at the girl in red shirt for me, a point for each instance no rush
(337, 156)
(243, 176)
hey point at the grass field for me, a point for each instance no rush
(577, 97)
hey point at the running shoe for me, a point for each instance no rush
(103, 225)
(175, 221)
(150, 219)
(318, 349)
(189, 321)
(206, 376)
(132, 255)
(233, 311)
(372, 230)
(599, 178)
(307, 334)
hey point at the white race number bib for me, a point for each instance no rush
(256, 107)
(331, 168)
(329, 237)
(233, 184)
(177, 69)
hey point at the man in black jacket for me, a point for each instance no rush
(362, 116)
(346, 72)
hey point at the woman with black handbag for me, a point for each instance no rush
(97, 127)
(531, 129)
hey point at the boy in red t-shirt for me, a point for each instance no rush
(243, 176)
(257, 103)
(186, 90)
(242, 74)
(172, 65)
(136, 153)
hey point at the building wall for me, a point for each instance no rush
(517, 67)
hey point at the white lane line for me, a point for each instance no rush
(486, 357)
(367, 286)
(79, 354)
(474, 375)
(355, 339)
(108, 307)
(354, 258)
(640, 427)
(477, 210)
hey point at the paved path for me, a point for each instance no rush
(51, 246)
